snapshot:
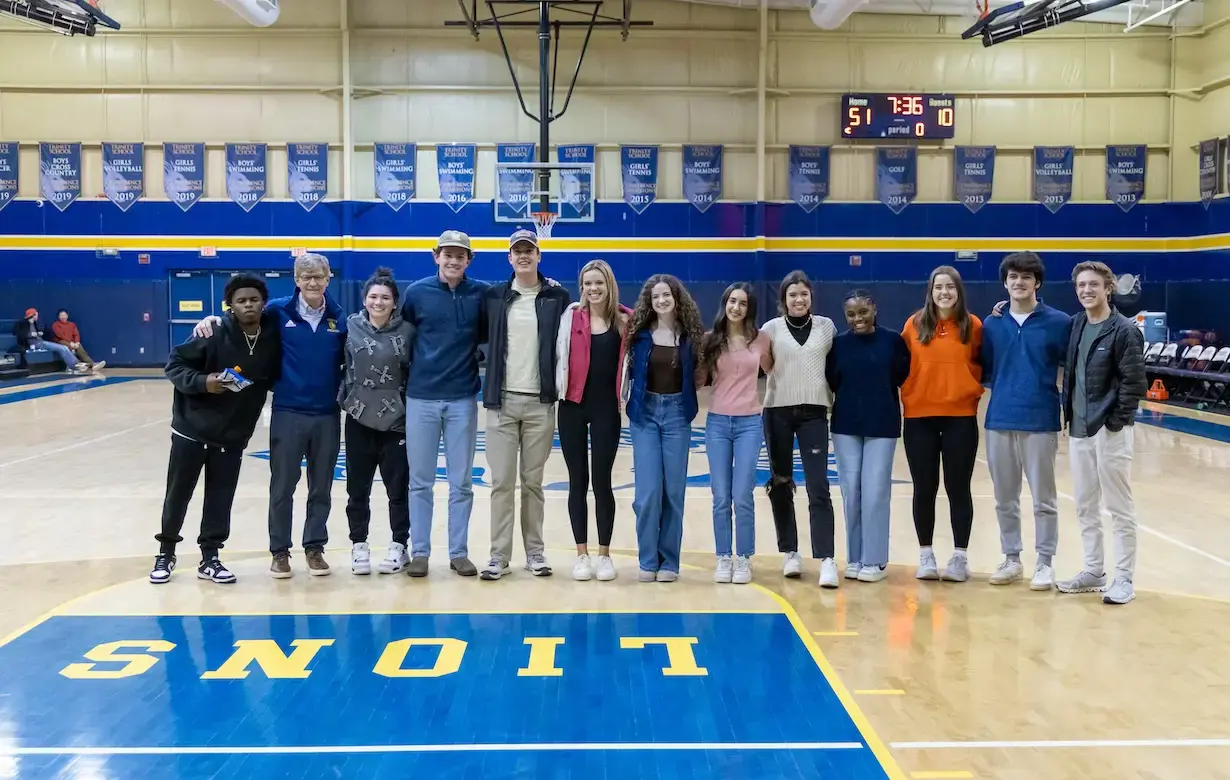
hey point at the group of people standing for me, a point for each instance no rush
(404, 373)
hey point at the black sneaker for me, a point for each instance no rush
(164, 564)
(213, 569)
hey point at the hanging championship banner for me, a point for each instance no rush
(123, 173)
(638, 167)
(896, 176)
(183, 173)
(973, 173)
(809, 176)
(59, 173)
(513, 185)
(395, 178)
(455, 168)
(307, 173)
(247, 177)
(1125, 174)
(1208, 171)
(8, 172)
(1053, 176)
(702, 175)
(576, 186)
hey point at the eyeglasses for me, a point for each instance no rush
(317, 278)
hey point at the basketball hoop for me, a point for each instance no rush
(543, 222)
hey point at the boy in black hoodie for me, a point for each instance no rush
(220, 388)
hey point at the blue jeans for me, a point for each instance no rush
(865, 467)
(426, 423)
(733, 444)
(660, 462)
(59, 350)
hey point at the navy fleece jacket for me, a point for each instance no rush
(450, 325)
(1020, 363)
(311, 360)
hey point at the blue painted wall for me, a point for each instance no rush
(49, 259)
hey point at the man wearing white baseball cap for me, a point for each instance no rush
(522, 317)
(442, 398)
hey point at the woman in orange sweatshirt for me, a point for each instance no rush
(939, 402)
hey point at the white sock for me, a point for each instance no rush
(959, 553)
(928, 550)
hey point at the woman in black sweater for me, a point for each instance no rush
(865, 368)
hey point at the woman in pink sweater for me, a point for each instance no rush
(589, 367)
(732, 356)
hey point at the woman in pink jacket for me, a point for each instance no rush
(588, 377)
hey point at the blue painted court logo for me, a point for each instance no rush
(695, 445)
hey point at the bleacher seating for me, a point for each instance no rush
(1194, 374)
(35, 361)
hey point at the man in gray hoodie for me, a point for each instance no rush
(377, 364)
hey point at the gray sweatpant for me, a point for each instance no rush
(293, 439)
(1009, 454)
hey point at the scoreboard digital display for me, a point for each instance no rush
(897, 115)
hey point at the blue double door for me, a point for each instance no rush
(197, 294)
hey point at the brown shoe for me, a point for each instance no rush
(316, 563)
(280, 568)
(418, 566)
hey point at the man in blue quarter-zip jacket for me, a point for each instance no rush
(306, 422)
(442, 398)
(1021, 357)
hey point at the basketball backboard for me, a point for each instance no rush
(527, 192)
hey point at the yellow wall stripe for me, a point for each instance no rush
(285, 244)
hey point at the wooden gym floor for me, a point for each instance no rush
(383, 676)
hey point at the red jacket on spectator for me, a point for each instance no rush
(66, 332)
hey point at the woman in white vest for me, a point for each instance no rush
(796, 405)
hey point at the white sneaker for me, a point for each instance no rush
(725, 571)
(396, 559)
(536, 564)
(360, 558)
(494, 570)
(743, 570)
(852, 570)
(872, 573)
(828, 573)
(582, 570)
(606, 568)
(1008, 572)
(1044, 578)
(793, 565)
(928, 569)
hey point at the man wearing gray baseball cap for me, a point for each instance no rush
(442, 398)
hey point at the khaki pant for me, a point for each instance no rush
(1102, 473)
(526, 427)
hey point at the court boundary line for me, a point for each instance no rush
(879, 748)
(1063, 743)
(526, 747)
(95, 440)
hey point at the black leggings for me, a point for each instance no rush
(954, 440)
(810, 425)
(368, 449)
(586, 428)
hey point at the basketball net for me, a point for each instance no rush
(544, 221)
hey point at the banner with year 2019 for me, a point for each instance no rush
(513, 185)
(576, 185)
(1208, 171)
(8, 172)
(307, 173)
(896, 176)
(123, 173)
(455, 165)
(638, 166)
(1053, 176)
(973, 175)
(183, 173)
(59, 178)
(1125, 174)
(702, 175)
(395, 178)
(809, 176)
(247, 178)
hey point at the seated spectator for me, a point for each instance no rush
(30, 336)
(66, 333)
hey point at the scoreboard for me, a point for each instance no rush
(897, 115)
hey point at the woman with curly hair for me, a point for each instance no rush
(660, 390)
(732, 356)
